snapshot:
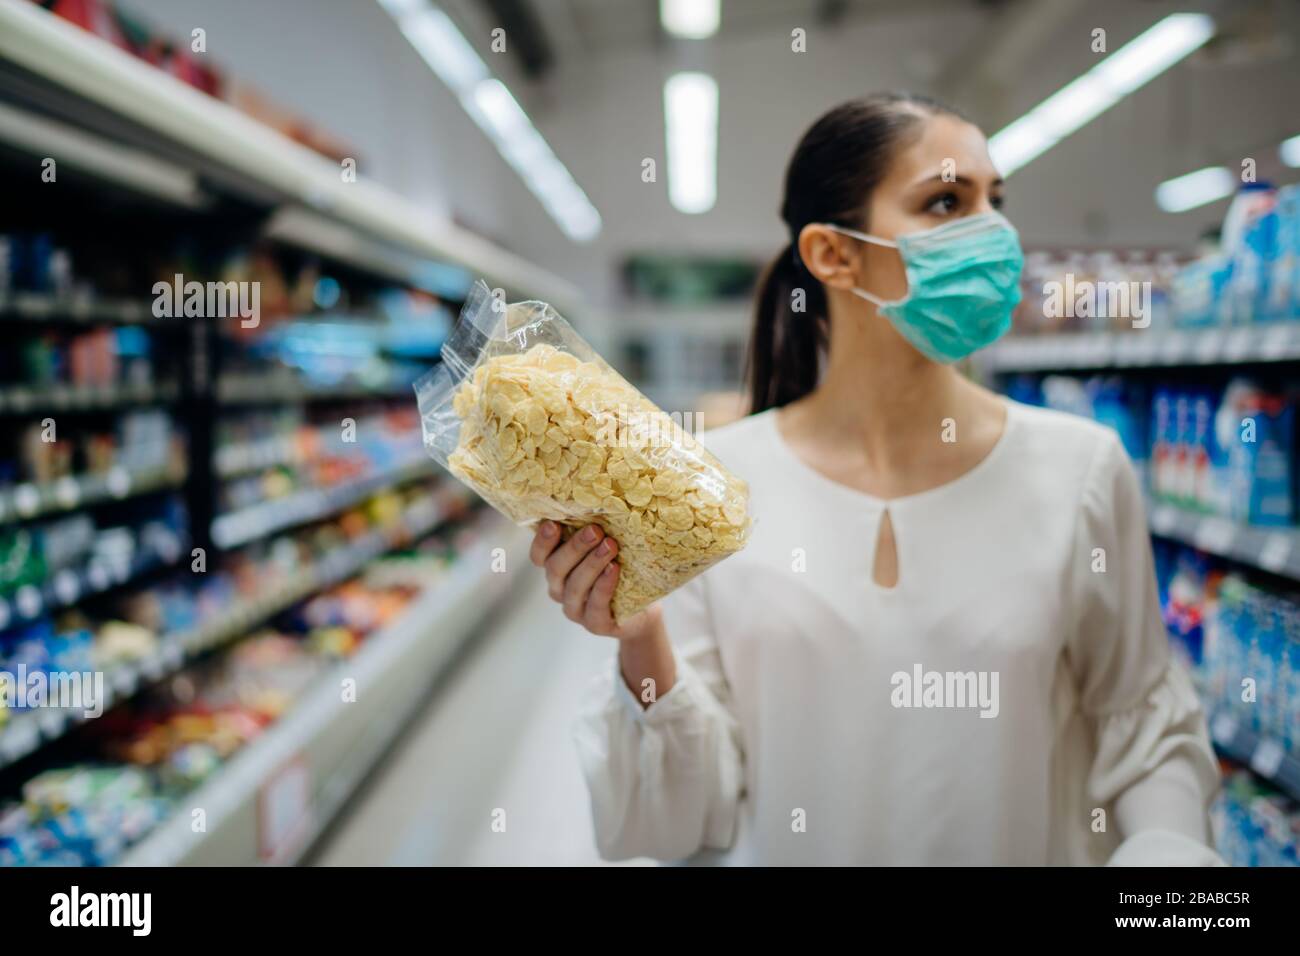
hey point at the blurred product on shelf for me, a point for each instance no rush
(100, 358)
(316, 457)
(1255, 633)
(1095, 290)
(139, 443)
(1255, 825)
(1227, 451)
(1253, 276)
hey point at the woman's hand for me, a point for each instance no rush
(581, 574)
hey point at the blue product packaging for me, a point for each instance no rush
(1162, 449)
(1182, 476)
(1255, 259)
(1281, 299)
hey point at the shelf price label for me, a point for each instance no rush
(1275, 342)
(1275, 552)
(119, 482)
(67, 492)
(27, 500)
(1224, 729)
(1267, 758)
(284, 811)
(1214, 535)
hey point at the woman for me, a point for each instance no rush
(943, 643)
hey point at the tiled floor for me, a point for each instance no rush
(494, 737)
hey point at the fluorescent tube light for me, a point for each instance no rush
(690, 19)
(1084, 99)
(1195, 189)
(691, 121)
(1289, 152)
(494, 109)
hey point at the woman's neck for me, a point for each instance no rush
(887, 413)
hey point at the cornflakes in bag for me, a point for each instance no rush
(526, 413)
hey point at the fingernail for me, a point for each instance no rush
(589, 533)
(548, 530)
(606, 546)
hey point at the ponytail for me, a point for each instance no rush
(832, 174)
(785, 349)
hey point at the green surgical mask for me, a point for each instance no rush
(963, 282)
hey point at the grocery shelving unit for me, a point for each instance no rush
(1216, 351)
(124, 128)
(330, 743)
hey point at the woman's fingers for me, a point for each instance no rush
(597, 616)
(577, 586)
(545, 539)
(566, 557)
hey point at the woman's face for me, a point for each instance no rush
(942, 174)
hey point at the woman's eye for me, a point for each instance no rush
(942, 205)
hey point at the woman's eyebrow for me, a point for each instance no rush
(962, 180)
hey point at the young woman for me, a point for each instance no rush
(942, 644)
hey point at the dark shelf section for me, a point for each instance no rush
(89, 310)
(29, 501)
(67, 587)
(41, 400)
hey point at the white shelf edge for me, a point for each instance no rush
(76, 60)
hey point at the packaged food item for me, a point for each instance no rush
(525, 413)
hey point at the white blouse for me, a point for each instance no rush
(1011, 700)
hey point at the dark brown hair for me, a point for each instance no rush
(838, 163)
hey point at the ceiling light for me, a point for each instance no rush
(1087, 97)
(1289, 151)
(494, 109)
(691, 121)
(1195, 189)
(690, 19)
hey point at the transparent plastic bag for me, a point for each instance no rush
(526, 413)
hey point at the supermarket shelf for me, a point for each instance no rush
(272, 389)
(269, 163)
(1264, 755)
(26, 501)
(27, 732)
(40, 307)
(333, 744)
(20, 399)
(1276, 550)
(65, 588)
(1234, 345)
(267, 517)
(230, 461)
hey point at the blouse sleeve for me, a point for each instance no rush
(665, 780)
(1153, 761)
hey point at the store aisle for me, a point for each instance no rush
(495, 736)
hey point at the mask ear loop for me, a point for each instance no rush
(874, 240)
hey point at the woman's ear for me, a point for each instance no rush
(829, 256)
